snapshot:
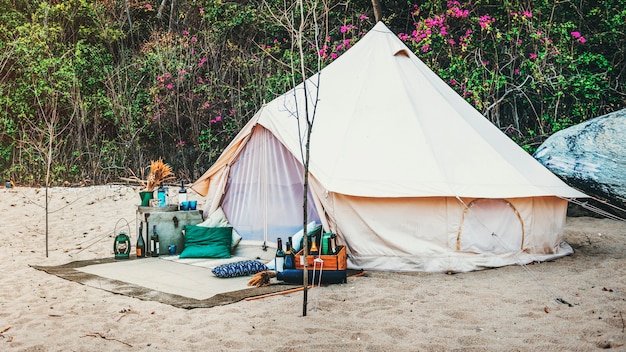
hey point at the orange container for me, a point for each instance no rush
(331, 262)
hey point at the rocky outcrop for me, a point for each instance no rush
(591, 156)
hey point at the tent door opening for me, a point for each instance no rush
(490, 226)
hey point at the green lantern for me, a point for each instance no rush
(121, 245)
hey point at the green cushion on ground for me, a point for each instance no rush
(207, 242)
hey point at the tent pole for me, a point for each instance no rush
(264, 183)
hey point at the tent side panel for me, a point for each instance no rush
(420, 234)
(399, 234)
(547, 225)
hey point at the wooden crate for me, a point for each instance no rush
(331, 262)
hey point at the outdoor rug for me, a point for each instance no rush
(166, 281)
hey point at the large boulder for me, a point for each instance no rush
(591, 156)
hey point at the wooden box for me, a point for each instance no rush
(331, 262)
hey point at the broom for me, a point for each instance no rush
(262, 278)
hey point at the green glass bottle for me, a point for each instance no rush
(280, 256)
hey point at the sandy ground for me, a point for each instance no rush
(513, 308)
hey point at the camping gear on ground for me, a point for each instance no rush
(330, 262)
(290, 259)
(406, 173)
(279, 260)
(313, 249)
(140, 247)
(121, 245)
(295, 276)
(154, 242)
(240, 268)
(170, 223)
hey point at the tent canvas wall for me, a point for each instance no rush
(407, 173)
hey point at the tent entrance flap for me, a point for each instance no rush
(490, 226)
(264, 196)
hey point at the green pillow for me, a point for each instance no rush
(207, 242)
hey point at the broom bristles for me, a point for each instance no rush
(261, 279)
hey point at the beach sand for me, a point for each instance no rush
(513, 308)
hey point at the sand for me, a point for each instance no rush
(513, 308)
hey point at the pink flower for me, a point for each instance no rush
(207, 105)
(362, 17)
(194, 39)
(533, 56)
(180, 143)
(322, 51)
(517, 71)
(454, 10)
(185, 32)
(333, 56)
(148, 7)
(170, 86)
(579, 37)
(453, 82)
(485, 21)
(528, 14)
(347, 28)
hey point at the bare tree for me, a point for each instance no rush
(378, 10)
(307, 24)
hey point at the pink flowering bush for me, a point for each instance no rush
(528, 75)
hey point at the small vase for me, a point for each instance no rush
(146, 196)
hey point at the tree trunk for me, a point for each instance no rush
(378, 11)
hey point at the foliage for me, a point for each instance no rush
(532, 69)
(108, 86)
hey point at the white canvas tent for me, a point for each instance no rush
(408, 174)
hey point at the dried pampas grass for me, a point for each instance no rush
(159, 173)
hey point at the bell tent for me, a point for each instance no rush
(406, 172)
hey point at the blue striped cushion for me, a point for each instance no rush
(242, 268)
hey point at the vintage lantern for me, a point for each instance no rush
(121, 246)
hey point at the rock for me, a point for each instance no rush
(591, 157)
